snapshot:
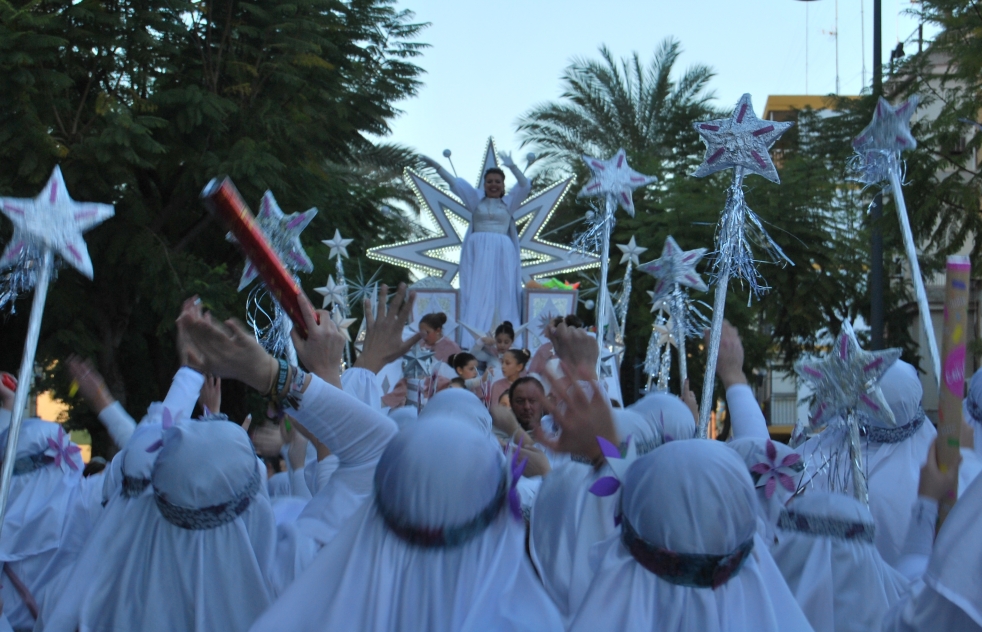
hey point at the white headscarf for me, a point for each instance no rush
(567, 520)
(893, 469)
(972, 408)
(689, 498)
(669, 414)
(199, 568)
(461, 405)
(768, 461)
(953, 571)
(826, 553)
(435, 476)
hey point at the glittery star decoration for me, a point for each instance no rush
(743, 140)
(889, 130)
(283, 232)
(664, 331)
(333, 293)
(342, 323)
(675, 266)
(609, 359)
(416, 363)
(438, 254)
(53, 220)
(614, 177)
(338, 245)
(631, 251)
(658, 303)
(846, 380)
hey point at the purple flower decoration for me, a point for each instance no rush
(167, 421)
(769, 473)
(517, 468)
(63, 451)
(608, 485)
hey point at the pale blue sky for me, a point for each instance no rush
(492, 60)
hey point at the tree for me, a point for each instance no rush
(606, 105)
(143, 101)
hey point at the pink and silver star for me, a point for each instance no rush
(53, 220)
(439, 253)
(889, 130)
(333, 293)
(743, 140)
(283, 233)
(338, 245)
(614, 178)
(845, 380)
(630, 251)
(675, 266)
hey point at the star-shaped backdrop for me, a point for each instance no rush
(438, 254)
(743, 140)
(614, 177)
(675, 266)
(338, 245)
(283, 233)
(845, 380)
(333, 293)
(53, 220)
(631, 251)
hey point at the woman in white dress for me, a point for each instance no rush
(490, 261)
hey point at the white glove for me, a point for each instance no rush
(506, 159)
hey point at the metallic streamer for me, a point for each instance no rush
(859, 488)
(624, 299)
(22, 275)
(604, 293)
(680, 320)
(652, 358)
(665, 370)
(270, 323)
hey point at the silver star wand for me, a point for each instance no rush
(741, 142)
(52, 223)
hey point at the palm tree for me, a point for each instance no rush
(607, 104)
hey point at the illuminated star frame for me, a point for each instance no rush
(439, 254)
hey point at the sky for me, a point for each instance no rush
(491, 61)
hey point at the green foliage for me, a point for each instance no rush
(143, 101)
(814, 215)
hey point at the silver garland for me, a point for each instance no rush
(624, 298)
(665, 370)
(21, 276)
(270, 323)
(590, 240)
(652, 357)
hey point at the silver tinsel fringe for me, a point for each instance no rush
(21, 276)
(272, 330)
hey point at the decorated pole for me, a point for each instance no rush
(955, 333)
(629, 256)
(603, 296)
(681, 310)
(741, 142)
(52, 223)
(339, 249)
(877, 162)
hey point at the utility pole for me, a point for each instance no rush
(876, 311)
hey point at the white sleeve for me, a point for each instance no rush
(361, 384)
(919, 543)
(746, 418)
(298, 485)
(465, 192)
(118, 422)
(357, 435)
(184, 391)
(922, 609)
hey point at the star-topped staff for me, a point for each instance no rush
(877, 160)
(614, 181)
(675, 268)
(283, 234)
(629, 256)
(741, 142)
(339, 250)
(416, 368)
(52, 223)
(845, 385)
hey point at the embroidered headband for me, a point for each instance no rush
(208, 517)
(824, 526)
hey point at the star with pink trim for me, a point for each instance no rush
(743, 140)
(889, 130)
(675, 266)
(845, 380)
(614, 177)
(53, 219)
(283, 232)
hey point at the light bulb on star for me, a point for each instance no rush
(630, 251)
(675, 266)
(338, 245)
(615, 178)
(845, 380)
(333, 293)
(53, 220)
(742, 140)
(283, 232)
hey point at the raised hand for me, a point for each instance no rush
(323, 349)
(383, 332)
(90, 383)
(729, 363)
(581, 418)
(933, 482)
(211, 394)
(187, 354)
(577, 349)
(690, 400)
(506, 159)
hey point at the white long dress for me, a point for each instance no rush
(490, 260)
